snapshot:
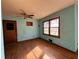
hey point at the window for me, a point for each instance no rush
(52, 27)
(10, 26)
(46, 27)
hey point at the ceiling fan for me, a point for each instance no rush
(25, 15)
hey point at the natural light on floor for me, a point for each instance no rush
(37, 53)
(46, 57)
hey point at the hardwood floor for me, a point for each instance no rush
(37, 49)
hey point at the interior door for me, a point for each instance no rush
(10, 32)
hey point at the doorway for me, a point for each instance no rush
(9, 31)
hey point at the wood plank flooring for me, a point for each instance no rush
(37, 49)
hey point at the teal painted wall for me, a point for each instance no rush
(2, 44)
(25, 32)
(76, 26)
(67, 28)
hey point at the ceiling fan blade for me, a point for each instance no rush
(25, 15)
(30, 15)
(22, 10)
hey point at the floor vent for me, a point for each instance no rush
(50, 40)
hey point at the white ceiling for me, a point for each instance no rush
(40, 8)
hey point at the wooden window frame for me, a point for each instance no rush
(49, 27)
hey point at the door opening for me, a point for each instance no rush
(9, 31)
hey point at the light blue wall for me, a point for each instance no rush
(2, 44)
(25, 32)
(67, 28)
(76, 26)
